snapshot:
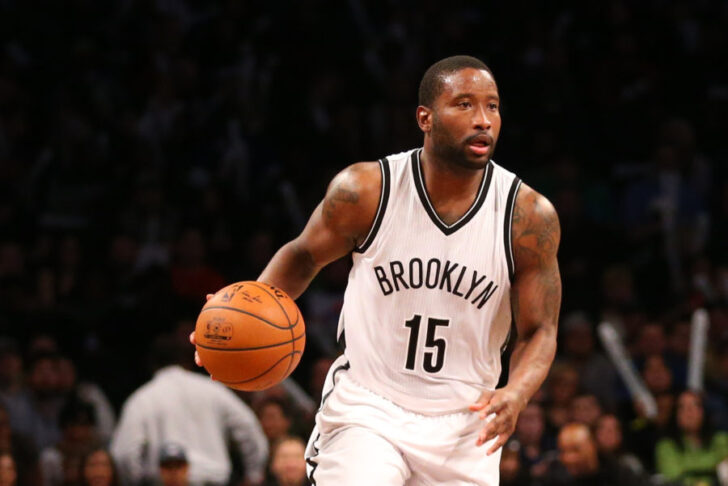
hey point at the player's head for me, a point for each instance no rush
(459, 111)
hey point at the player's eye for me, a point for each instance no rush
(465, 104)
(493, 106)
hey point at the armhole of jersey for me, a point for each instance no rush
(508, 226)
(383, 199)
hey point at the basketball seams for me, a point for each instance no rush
(254, 284)
(235, 309)
(293, 344)
(263, 373)
(254, 348)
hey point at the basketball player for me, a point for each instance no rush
(449, 249)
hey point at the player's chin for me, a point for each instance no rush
(477, 161)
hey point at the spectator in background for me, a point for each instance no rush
(656, 374)
(287, 464)
(173, 466)
(11, 371)
(275, 418)
(22, 451)
(8, 470)
(533, 444)
(585, 409)
(643, 432)
(677, 352)
(34, 412)
(580, 463)
(610, 443)
(89, 393)
(597, 374)
(563, 385)
(512, 472)
(98, 469)
(184, 407)
(77, 422)
(694, 449)
(718, 386)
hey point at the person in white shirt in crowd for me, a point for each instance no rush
(187, 408)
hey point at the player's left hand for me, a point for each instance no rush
(505, 404)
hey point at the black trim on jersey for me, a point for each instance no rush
(341, 340)
(508, 227)
(309, 460)
(383, 199)
(425, 199)
(345, 366)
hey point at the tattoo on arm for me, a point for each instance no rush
(340, 196)
(306, 262)
(535, 243)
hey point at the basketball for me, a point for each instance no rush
(250, 336)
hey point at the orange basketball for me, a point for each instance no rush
(250, 336)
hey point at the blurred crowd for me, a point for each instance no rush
(153, 151)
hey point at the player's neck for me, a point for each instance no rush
(444, 179)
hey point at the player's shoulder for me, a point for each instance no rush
(352, 199)
(535, 204)
(361, 177)
(535, 221)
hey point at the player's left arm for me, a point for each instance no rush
(535, 302)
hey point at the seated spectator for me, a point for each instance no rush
(534, 445)
(8, 471)
(580, 463)
(98, 469)
(275, 418)
(512, 472)
(77, 423)
(693, 449)
(70, 386)
(609, 439)
(585, 409)
(597, 374)
(657, 375)
(563, 385)
(643, 432)
(173, 466)
(22, 450)
(287, 465)
(34, 412)
(11, 371)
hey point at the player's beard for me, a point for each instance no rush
(447, 148)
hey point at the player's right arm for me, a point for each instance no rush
(338, 225)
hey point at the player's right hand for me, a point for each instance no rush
(198, 362)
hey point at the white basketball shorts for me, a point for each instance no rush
(361, 438)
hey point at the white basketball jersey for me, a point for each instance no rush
(427, 308)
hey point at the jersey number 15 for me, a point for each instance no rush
(433, 360)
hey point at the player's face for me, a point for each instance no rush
(466, 118)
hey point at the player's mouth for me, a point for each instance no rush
(480, 144)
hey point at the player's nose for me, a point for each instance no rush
(481, 121)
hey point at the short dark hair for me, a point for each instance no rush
(431, 84)
(76, 412)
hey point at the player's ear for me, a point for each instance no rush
(424, 118)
